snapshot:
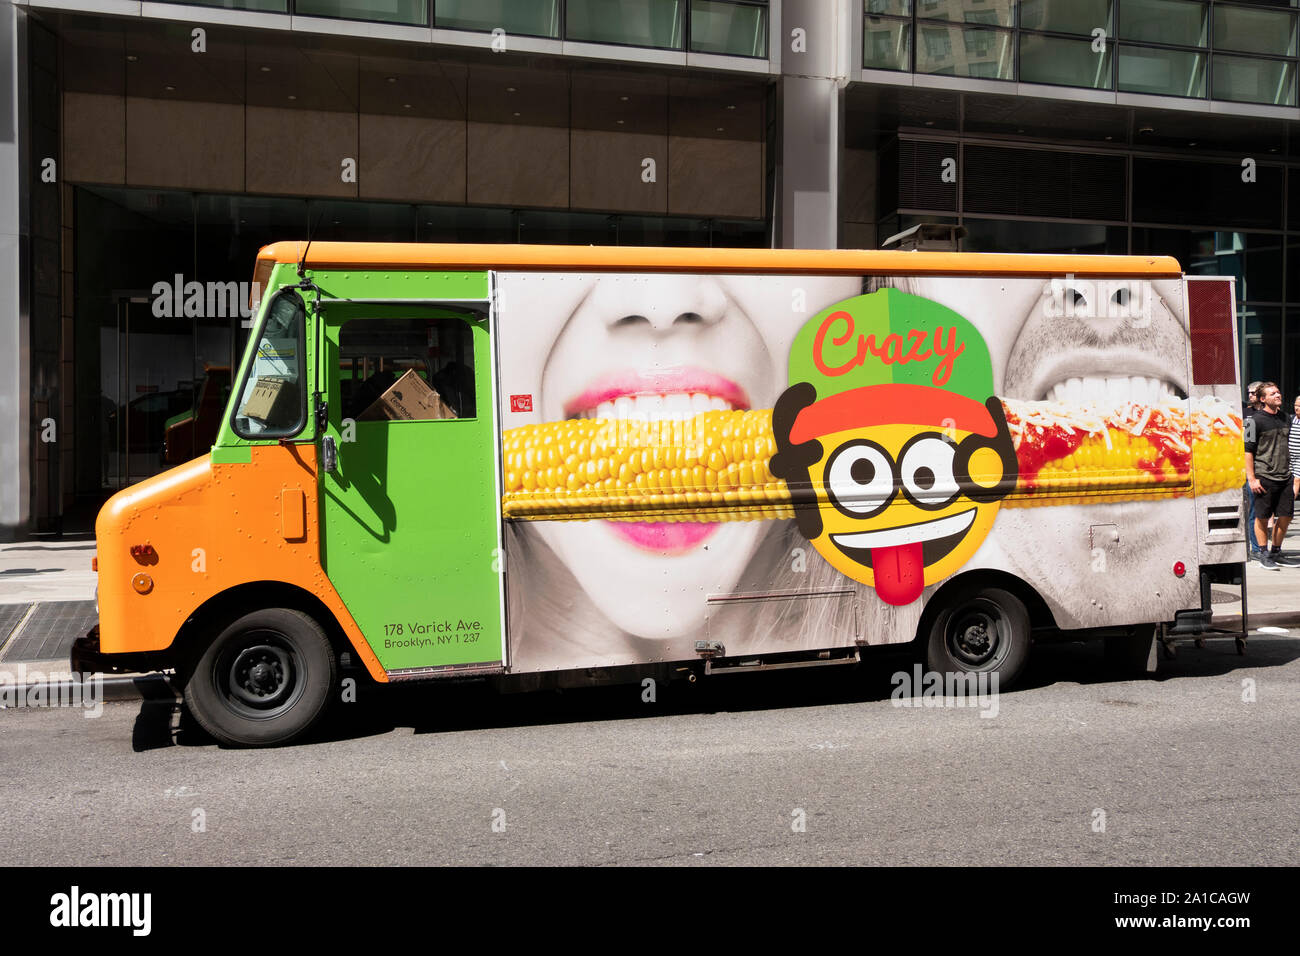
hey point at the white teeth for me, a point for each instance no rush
(1112, 390)
(677, 406)
(648, 408)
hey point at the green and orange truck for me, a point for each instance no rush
(540, 464)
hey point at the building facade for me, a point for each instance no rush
(148, 149)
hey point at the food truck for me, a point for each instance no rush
(550, 465)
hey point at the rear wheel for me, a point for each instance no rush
(264, 679)
(982, 631)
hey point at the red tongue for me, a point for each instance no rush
(900, 575)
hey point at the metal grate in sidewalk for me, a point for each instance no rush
(50, 631)
(10, 615)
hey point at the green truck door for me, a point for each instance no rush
(410, 515)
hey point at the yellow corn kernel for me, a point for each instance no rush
(708, 466)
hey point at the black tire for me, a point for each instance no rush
(982, 631)
(1127, 654)
(264, 679)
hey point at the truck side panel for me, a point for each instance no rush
(699, 458)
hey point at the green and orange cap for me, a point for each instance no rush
(891, 358)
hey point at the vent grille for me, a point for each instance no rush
(1039, 182)
(1221, 518)
(919, 178)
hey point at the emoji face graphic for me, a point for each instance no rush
(896, 479)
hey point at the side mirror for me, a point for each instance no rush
(329, 454)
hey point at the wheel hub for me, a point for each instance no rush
(975, 639)
(261, 675)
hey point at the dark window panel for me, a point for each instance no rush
(1064, 62)
(728, 28)
(391, 11)
(1263, 268)
(1176, 22)
(536, 18)
(1174, 191)
(1161, 72)
(1271, 32)
(1049, 183)
(886, 44)
(1076, 16)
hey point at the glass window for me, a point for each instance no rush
(1261, 344)
(1293, 277)
(1290, 380)
(410, 369)
(1263, 281)
(997, 13)
(937, 43)
(534, 18)
(971, 52)
(730, 28)
(653, 23)
(900, 8)
(274, 400)
(262, 6)
(1005, 235)
(1077, 16)
(1254, 81)
(381, 11)
(1176, 22)
(1254, 31)
(1064, 62)
(886, 44)
(1163, 72)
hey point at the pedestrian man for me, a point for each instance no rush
(1252, 403)
(1268, 472)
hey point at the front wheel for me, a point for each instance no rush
(982, 631)
(263, 680)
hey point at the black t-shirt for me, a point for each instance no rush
(1269, 444)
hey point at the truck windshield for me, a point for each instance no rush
(272, 403)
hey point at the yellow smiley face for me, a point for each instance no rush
(896, 508)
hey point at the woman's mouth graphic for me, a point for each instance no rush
(672, 394)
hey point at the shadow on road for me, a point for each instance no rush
(440, 707)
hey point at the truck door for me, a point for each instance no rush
(410, 515)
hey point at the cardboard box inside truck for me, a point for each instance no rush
(408, 399)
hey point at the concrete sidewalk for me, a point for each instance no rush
(52, 569)
(47, 601)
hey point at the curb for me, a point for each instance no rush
(113, 687)
(1287, 619)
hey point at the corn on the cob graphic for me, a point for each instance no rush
(715, 465)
